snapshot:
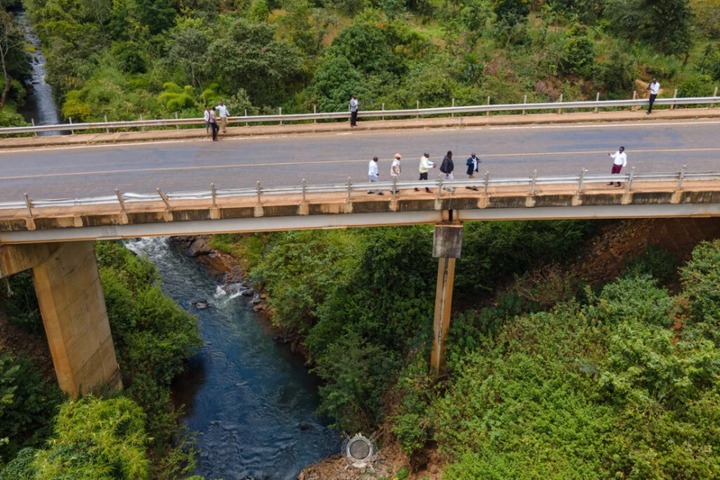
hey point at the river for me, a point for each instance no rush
(249, 399)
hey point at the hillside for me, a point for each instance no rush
(603, 259)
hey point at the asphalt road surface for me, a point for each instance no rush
(513, 151)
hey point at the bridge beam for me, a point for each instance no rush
(73, 310)
(447, 243)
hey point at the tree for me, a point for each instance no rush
(186, 49)
(246, 55)
(663, 24)
(13, 60)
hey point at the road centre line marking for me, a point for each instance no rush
(325, 162)
(604, 125)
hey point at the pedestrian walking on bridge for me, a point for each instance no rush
(424, 168)
(373, 174)
(395, 170)
(619, 161)
(212, 120)
(654, 89)
(224, 114)
(354, 108)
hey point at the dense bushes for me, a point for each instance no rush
(625, 386)
(131, 436)
(363, 301)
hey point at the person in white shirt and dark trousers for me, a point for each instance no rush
(654, 89)
(354, 108)
(373, 174)
(619, 161)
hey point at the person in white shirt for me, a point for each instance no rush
(395, 169)
(354, 107)
(425, 166)
(373, 174)
(619, 161)
(224, 114)
(206, 117)
(654, 89)
(212, 120)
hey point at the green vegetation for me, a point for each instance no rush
(362, 301)
(157, 58)
(547, 378)
(131, 435)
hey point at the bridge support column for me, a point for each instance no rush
(73, 310)
(447, 243)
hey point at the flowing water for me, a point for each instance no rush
(40, 106)
(250, 400)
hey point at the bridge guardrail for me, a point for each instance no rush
(416, 112)
(532, 181)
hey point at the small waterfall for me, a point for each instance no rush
(40, 107)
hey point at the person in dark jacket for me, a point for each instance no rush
(473, 164)
(446, 167)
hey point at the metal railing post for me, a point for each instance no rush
(681, 177)
(214, 194)
(582, 179)
(634, 107)
(258, 189)
(121, 201)
(142, 127)
(72, 130)
(561, 101)
(488, 102)
(246, 123)
(304, 189)
(349, 189)
(630, 179)
(383, 109)
(280, 113)
(532, 184)
(712, 105)
(524, 103)
(314, 113)
(164, 198)
(28, 203)
(32, 120)
(672, 107)
(452, 115)
(107, 130)
(177, 127)
(417, 107)
(597, 99)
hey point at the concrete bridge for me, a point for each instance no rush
(57, 242)
(55, 238)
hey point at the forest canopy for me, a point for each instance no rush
(156, 58)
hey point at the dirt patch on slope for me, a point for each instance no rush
(608, 253)
(18, 342)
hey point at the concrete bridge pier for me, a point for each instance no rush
(447, 243)
(73, 310)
